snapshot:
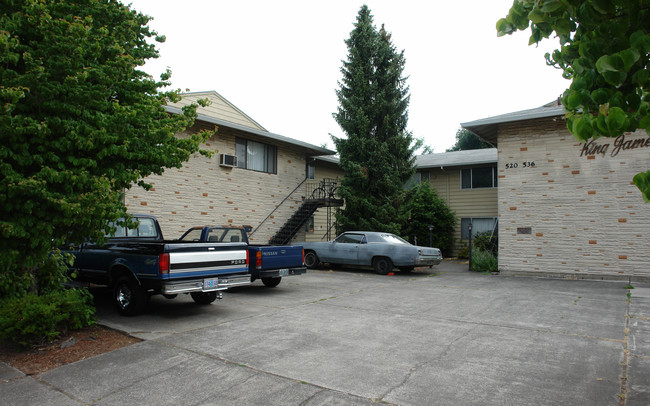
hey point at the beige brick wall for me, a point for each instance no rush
(576, 212)
(204, 193)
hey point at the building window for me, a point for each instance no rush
(479, 225)
(256, 156)
(309, 225)
(478, 178)
(311, 171)
(416, 179)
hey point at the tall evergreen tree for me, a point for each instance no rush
(378, 154)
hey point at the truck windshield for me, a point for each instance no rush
(146, 228)
(192, 235)
(219, 234)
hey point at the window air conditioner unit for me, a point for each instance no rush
(227, 160)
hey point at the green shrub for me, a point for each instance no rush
(484, 261)
(463, 253)
(486, 241)
(422, 208)
(32, 319)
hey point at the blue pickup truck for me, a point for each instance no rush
(268, 263)
(139, 262)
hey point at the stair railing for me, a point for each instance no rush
(277, 207)
(326, 190)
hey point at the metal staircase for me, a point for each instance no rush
(323, 195)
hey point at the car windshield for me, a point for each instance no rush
(393, 239)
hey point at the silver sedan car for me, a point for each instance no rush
(381, 251)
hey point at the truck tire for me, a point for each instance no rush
(204, 298)
(382, 265)
(311, 259)
(271, 282)
(130, 298)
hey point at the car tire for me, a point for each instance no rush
(204, 298)
(130, 298)
(382, 265)
(271, 282)
(311, 259)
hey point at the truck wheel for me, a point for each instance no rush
(382, 265)
(130, 298)
(271, 282)
(311, 260)
(204, 298)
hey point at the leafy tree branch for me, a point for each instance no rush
(79, 124)
(604, 51)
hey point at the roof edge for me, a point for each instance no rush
(509, 117)
(315, 150)
(486, 128)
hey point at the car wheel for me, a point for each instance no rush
(382, 265)
(204, 298)
(311, 259)
(271, 282)
(130, 298)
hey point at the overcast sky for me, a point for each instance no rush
(279, 61)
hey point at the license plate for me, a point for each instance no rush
(283, 272)
(210, 283)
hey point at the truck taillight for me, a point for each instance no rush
(247, 260)
(258, 260)
(163, 263)
(303, 257)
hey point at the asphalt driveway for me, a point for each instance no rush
(442, 336)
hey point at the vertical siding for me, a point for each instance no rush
(576, 213)
(463, 202)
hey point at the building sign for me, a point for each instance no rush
(593, 148)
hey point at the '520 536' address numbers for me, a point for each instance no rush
(516, 165)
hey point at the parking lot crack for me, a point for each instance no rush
(626, 356)
(448, 348)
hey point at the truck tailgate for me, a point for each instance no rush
(279, 257)
(188, 260)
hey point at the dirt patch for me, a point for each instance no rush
(74, 346)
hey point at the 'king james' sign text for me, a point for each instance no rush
(620, 144)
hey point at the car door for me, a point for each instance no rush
(345, 249)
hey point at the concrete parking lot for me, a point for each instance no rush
(437, 336)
